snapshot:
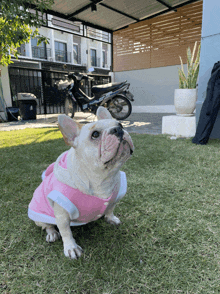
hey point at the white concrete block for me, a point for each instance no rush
(182, 126)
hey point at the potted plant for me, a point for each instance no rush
(185, 97)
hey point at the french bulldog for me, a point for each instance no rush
(85, 182)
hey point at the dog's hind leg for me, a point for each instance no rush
(52, 234)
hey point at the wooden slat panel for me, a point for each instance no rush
(159, 41)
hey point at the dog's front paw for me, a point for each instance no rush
(113, 220)
(52, 235)
(72, 250)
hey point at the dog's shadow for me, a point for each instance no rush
(94, 232)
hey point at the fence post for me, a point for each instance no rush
(43, 92)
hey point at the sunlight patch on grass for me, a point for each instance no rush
(28, 136)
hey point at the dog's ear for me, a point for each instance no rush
(103, 113)
(69, 129)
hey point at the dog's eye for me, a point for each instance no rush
(120, 125)
(95, 134)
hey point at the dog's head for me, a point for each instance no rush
(102, 144)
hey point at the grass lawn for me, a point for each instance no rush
(169, 239)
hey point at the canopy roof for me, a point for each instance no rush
(112, 15)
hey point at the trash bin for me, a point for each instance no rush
(27, 105)
(12, 113)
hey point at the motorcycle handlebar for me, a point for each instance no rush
(79, 76)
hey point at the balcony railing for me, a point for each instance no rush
(40, 52)
(21, 50)
(63, 56)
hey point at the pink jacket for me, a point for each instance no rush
(82, 208)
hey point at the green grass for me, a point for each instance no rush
(169, 239)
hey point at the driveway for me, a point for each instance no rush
(142, 123)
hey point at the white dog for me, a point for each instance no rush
(85, 182)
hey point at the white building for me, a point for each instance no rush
(72, 47)
(68, 44)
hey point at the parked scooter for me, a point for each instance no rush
(114, 96)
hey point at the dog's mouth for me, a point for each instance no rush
(115, 147)
(123, 152)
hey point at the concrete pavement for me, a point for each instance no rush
(137, 122)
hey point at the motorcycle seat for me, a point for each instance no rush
(106, 87)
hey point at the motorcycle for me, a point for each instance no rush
(114, 96)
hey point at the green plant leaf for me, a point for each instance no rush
(193, 54)
(16, 25)
(192, 69)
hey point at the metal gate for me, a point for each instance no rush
(43, 84)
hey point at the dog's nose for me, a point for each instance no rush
(117, 131)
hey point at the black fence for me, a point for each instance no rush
(43, 84)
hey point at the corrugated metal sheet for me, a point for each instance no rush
(113, 14)
(106, 18)
(68, 6)
(138, 8)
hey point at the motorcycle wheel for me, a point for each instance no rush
(70, 107)
(119, 107)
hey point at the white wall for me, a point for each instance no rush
(210, 54)
(98, 47)
(43, 31)
(5, 85)
(153, 86)
(65, 37)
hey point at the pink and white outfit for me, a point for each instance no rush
(82, 208)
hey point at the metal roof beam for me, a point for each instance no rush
(69, 16)
(84, 8)
(118, 11)
(102, 4)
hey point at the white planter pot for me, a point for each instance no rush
(185, 101)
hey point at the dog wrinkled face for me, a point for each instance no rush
(102, 144)
(106, 140)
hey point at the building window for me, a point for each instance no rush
(93, 57)
(60, 51)
(76, 53)
(104, 58)
(38, 51)
(21, 50)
